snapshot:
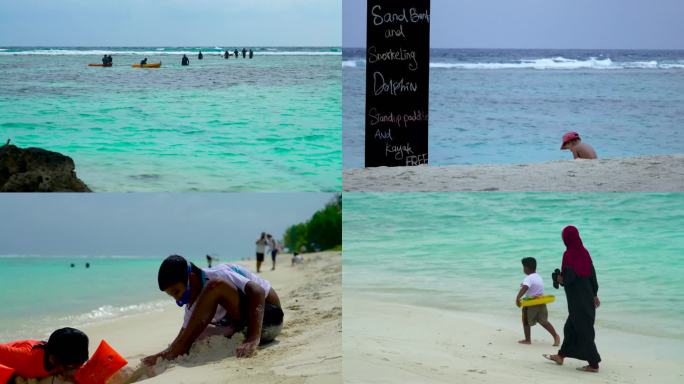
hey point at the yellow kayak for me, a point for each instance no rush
(152, 65)
(539, 300)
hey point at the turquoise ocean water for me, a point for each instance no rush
(41, 294)
(462, 251)
(272, 123)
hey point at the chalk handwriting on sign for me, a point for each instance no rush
(397, 81)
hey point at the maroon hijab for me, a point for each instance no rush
(575, 256)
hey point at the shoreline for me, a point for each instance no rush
(437, 345)
(308, 350)
(630, 174)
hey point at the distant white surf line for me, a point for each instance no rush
(546, 63)
(106, 312)
(66, 52)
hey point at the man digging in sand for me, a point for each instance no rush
(223, 300)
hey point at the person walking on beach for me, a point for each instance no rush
(533, 286)
(273, 244)
(578, 278)
(223, 301)
(580, 150)
(185, 60)
(260, 250)
(251, 54)
(211, 259)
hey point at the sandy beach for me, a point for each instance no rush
(391, 343)
(633, 174)
(307, 351)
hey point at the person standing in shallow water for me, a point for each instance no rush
(236, 53)
(251, 54)
(244, 53)
(200, 56)
(578, 278)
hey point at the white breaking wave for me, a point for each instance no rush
(561, 63)
(110, 312)
(97, 52)
(671, 66)
(546, 63)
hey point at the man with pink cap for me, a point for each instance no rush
(580, 150)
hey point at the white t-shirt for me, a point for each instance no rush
(535, 285)
(233, 273)
(261, 245)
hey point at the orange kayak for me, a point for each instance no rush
(152, 65)
(99, 65)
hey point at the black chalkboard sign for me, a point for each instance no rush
(397, 80)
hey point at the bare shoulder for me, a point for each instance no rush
(586, 151)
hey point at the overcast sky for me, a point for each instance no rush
(627, 24)
(170, 22)
(147, 224)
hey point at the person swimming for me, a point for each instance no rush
(185, 60)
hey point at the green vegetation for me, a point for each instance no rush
(322, 232)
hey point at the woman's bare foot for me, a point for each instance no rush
(588, 368)
(524, 342)
(556, 341)
(555, 358)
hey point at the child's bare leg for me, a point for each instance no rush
(552, 331)
(258, 266)
(526, 329)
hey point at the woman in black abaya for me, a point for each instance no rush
(578, 277)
